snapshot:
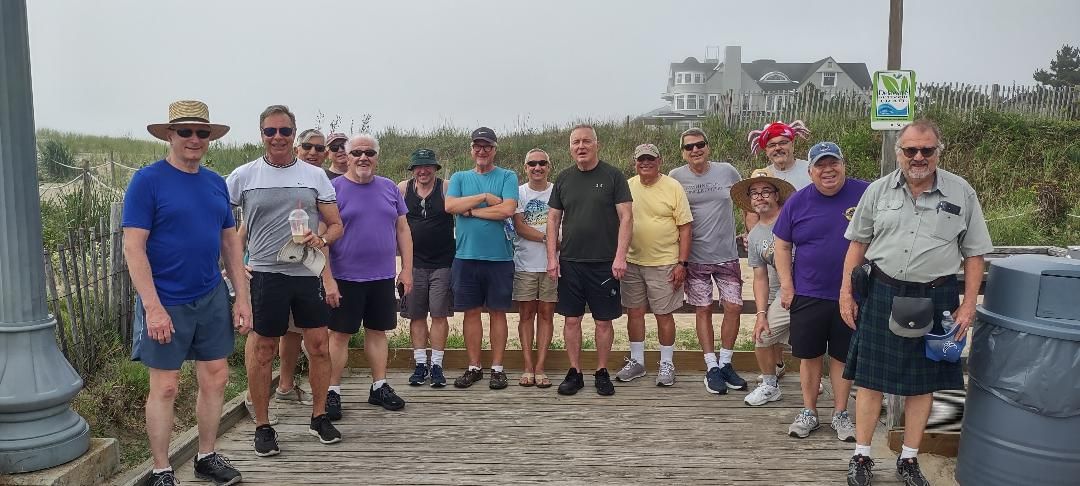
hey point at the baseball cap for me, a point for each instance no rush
(333, 137)
(311, 258)
(646, 149)
(823, 149)
(422, 157)
(486, 134)
(944, 347)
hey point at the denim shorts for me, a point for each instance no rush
(204, 332)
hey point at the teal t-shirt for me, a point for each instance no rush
(479, 238)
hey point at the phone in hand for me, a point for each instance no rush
(401, 296)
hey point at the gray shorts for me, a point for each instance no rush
(430, 294)
(204, 332)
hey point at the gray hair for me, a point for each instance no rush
(535, 150)
(355, 139)
(693, 131)
(308, 134)
(274, 110)
(921, 125)
(587, 126)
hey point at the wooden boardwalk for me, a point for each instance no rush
(642, 435)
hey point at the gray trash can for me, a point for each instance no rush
(1022, 416)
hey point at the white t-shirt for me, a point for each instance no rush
(531, 256)
(798, 175)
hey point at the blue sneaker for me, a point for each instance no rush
(714, 381)
(438, 380)
(732, 379)
(420, 375)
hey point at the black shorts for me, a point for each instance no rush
(482, 283)
(275, 295)
(588, 283)
(816, 326)
(371, 303)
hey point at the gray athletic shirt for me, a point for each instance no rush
(760, 254)
(267, 194)
(710, 204)
(798, 175)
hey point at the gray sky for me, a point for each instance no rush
(112, 66)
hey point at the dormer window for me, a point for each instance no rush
(689, 78)
(775, 77)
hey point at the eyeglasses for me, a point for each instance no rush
(764, 193)
(697, 145)
(187, 132)
(926, 152)
(318, 147)
(780, 143)
(482, 148)
(337, 147)
(534, 163)
(646, 158)
(271, 131)
(358, 153)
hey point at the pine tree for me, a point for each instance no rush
(1064, 70)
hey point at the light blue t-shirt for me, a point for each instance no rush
(479, 238)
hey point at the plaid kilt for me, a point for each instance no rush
(880, 360)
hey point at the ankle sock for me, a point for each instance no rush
(437, 356)
(473, 367)
(862, 450)
(420, 355)
(200, 456)
(907, 452)
(724, 356)
(497, 368)
(375, 385)
(637, 351)
(159, 471)
(667, 353)
(710, 361)
(335, 389)
(770, 380)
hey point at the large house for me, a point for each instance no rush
(698, 88)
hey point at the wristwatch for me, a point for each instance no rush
(684, 263)
(544, 239)
(324, 242)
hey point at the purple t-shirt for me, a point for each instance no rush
(368, 249)
(815, 223)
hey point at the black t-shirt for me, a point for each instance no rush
(432, 227)
(330, 174)
(590, 224)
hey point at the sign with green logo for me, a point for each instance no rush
(894, 100)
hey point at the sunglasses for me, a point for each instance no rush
(646, 158)
(697, 145)
(271, 131)
(534, 163)
(926, 152)
(318, 147)
(187, 132)
(358, 153)
(337, 147)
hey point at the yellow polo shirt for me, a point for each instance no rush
(659, 209)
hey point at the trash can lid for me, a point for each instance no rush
(1035, 294)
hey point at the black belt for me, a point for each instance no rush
(876, 273)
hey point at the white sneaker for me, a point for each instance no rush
(764, 393)
(804, 423)
(844, 427)
(666, 375)
(632, 370)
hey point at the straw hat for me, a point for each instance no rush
(738, 190)
(187, 112)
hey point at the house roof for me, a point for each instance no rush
(798, 72)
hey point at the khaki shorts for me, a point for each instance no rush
(779, 325)
(530, 286)
(650, 285)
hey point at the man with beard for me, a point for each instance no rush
(339, 160)
(777, 140)
(590, 221)
(433, 253)
(713, 256)
(917, 227)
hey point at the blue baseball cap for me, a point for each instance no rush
(823, 149)
(944, 347)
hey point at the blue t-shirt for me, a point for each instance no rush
(815, 223)
(479, 238)
(185, 214)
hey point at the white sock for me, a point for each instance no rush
(436, 356)
(725, 356)
(420, 355)
(907, 452)
(335, 389)
(159, 471)
(769, 380)
(637, 351)
(375, 385)
(710, 361)
(863, 450)
(667, 353)
(471, 367)
(496, 368)
(200, 456)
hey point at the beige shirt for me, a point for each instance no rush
(919, 240)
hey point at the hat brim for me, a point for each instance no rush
(413, 165)
(160, 131)
(818, 157)
(742, 200)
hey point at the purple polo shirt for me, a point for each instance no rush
(368, 249)
(815, 223)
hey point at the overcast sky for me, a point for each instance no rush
(112, 66)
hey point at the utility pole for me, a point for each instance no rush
(38, 429)
(896, 34)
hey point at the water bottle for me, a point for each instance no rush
(947, 322)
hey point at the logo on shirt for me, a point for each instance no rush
(849, 213)
(599, 185)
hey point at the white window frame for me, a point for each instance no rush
(714, 102)
(689, 77)
(747, 102)
(775, 77)
(775, 102)
(824, 76)
(682, 102)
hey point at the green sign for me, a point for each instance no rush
(894, 100)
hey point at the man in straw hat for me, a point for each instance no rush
(285, 274)
(813, 220)
(763, 195)
(177, 223)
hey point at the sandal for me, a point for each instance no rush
(527, 379)
(542, 381)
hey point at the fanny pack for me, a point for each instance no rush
(911, 317)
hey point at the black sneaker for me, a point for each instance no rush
(732, 378)
(908, 470)
(333, 405)
(714, 381)
(266, 441)
(385, 397)
(324, 430)
(419, 375)
(573, 382)
(164, 478)
(471, 376)
(216, 468)
(498, 380)
(438, 380)
(860, 470)
(603, 383)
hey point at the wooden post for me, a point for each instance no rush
(896, 27)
